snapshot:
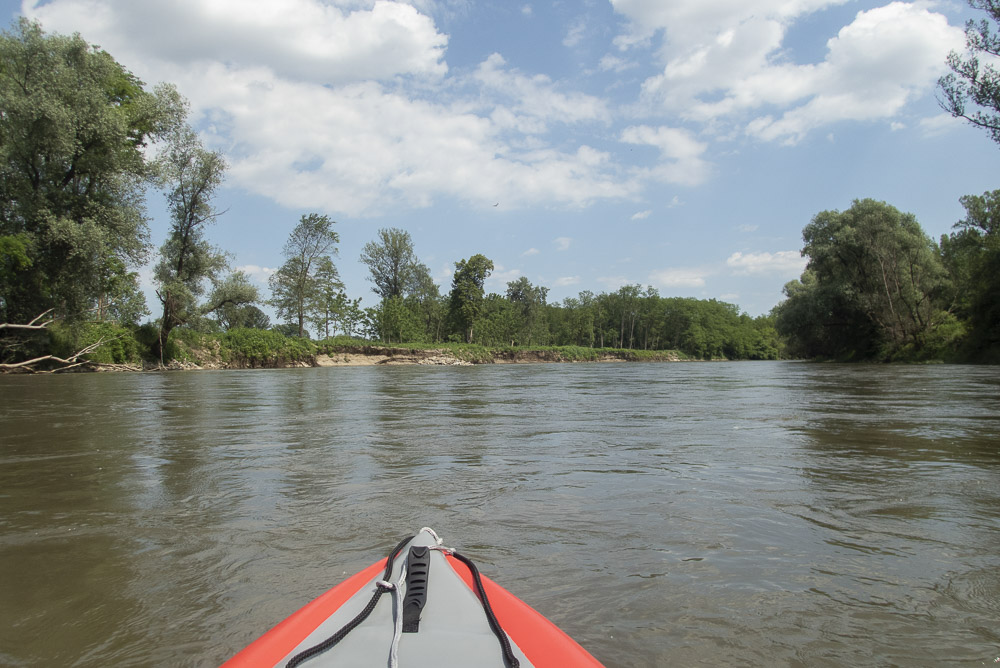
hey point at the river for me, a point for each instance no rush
(781, 514)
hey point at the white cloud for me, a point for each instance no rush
(348, 108)
(939, 125)
(530, 251)
(562, 243)
(612, 63)
(257, 273)
(613, 282)
(678, 278)
(534, 101)
(304, 39)
(681, 153)
(642, 215)
(527, 10)
(790, 263)
(565, 281)
(748, 228)
(575, 34)
(501, 276)
(874, 66)
(725, 60)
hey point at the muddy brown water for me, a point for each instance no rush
(662, 514)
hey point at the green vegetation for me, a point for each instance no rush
(877, 288)
(74, 126)
(307, 283)
(187, 260)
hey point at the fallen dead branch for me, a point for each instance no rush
(69, 362)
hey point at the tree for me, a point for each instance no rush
(875, 283)
(425, 300)
(191, 174)
(973, 79)
(394, 321)
(820, 320)
(972, 255)
(466, 301)
(327, 300)
(391, 263)
(74, 124)
(529, 302)
(247, 316)
(295, 285)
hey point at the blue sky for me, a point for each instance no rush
(584, 145)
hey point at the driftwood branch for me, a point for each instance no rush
(31, 325)
(69, 362)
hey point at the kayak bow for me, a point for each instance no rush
(421, 606)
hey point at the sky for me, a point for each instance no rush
(585, 145)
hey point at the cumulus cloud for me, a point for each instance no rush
(642, 215)
(565, 281)
(530, 251)
(790, 263)
(613, 63)
(873, 68)
(726, 60)
(562, 243)
(257, 273)
(939, 124)
(532, 103)
(680, 153)
(678, 278)
(613, 282)
(575, 34)
(349, 107)
(501, 276)
(304, 39)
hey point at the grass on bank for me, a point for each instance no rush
(260, 348)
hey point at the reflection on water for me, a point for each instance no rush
(751, 513)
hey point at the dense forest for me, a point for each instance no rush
(75, 129)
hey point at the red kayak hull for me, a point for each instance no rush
(544, 643)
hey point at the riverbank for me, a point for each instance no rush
(212, 357)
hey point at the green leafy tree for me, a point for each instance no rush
(327, 299)
(499, 322)
(73, 127)
(246, 316)
(391, 263)
(297, 284)
(425, 300)
(188, 261)
(875, 284)
(467, 294)
(393, 321)
(819, 319)
(974, 80)
(529, 304)
(972, 254)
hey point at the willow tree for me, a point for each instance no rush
(73, 127)
(874, 279)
